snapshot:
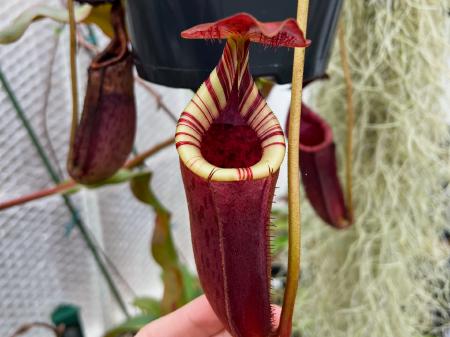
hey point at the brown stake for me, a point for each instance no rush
(294, 252)
(73, 69)
(139, 159)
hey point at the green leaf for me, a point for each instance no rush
(132, 325)
(119, 177)
(18, 27)
(264, 85)
(279, 244)
(162, 246)
(99, 15)
(279, 231)
(148, 306)
(192, 286)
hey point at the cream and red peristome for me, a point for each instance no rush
(230, 98)
(229, 102)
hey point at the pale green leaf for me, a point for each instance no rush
(148, 306)
(162, 246)
(132, 325)
(17, 28)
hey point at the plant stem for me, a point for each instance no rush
(33, 137)
(73, 70)
(48, 87)
(60, 188)
(294, 253)
(350, 120)
(23, 329)
(67, 201)
(91, 245)
(158, 98)
(67, 185)
(139, 159)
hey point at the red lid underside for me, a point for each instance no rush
(285, 33)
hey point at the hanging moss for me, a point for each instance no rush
(387, 275)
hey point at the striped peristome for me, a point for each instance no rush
(208, 103)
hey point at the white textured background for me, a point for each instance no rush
(41, 265)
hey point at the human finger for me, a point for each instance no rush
(195, 319)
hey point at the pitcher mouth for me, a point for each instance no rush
(220, 151)
(229, 101)
(264, 156)
(117, 50)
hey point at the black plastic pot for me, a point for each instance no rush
(162, 57)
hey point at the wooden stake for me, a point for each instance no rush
(73, 70)
(294, 253)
